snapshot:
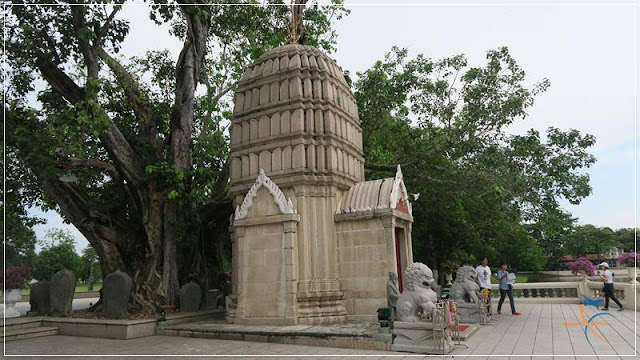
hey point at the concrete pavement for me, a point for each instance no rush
(175, 346)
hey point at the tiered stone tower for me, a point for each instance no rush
(296, 149)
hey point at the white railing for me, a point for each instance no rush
(561, 292)
(569, 292)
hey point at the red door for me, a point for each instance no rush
(398, 239)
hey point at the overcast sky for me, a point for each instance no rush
(586, 50)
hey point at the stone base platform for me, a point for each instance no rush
(101, 328)
(351, 335)
(421, 337)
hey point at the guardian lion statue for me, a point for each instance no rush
(465, 289)
(417, 299)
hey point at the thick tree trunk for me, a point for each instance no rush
(143, 236)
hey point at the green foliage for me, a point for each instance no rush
(482, 191)
(89, 264)
(626, 239)
(58, 253)
(589, 239)
(50, 47)
(20, 243)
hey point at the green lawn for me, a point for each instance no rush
(520, 279)
(79, 288)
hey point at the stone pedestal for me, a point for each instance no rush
(418, 337)
(469, 313)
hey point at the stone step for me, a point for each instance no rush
(28, 333)
(20, 323)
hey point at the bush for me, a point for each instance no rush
(582, 265)
(629, 258)
(15, 277)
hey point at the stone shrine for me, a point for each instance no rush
(312, 241)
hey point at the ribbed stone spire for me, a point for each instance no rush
(295, 115)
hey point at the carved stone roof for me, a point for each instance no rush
(376, 195)
(295, 115)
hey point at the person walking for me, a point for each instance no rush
(506, 289)
(607, 277)
(484, 276)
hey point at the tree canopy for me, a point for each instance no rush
(148, 147)
(479, 185)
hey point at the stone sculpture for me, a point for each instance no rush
(417, 299)
(115, 295)
(466, 293)
(62, 287)
(39, 297)
(421, 325)
(392, 293)
(190, 297)
(465, 289)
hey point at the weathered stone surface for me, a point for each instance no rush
(465, 289)
(62, 288)
(299, 124)
(190, 297)
(469, 313)
(40, 297)
(417, 337)
(416, 299)
(115, 295)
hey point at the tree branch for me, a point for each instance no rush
(126, 160)
(92, 163)
(137, 100)
(105, 27)
(384, 167)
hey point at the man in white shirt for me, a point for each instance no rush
(607, 277)
(484, 277)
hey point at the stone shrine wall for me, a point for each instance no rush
(363, 266)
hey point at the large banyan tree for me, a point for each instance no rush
(132, 150)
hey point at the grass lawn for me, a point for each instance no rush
(79, 288)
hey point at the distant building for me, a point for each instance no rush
(611, 258)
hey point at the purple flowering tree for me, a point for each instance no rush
(582, 266)
(629, 259)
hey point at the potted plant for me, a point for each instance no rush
(14, 280)
(582, 266)
(631, 260)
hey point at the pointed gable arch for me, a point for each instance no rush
(399, 193)
(284, 204)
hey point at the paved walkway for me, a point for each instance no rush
(166, 345)
(542, 330)
(555, 329)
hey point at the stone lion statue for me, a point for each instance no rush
(465, 288)
(417, 299)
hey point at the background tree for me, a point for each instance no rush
(590, 239)
(552, 232)
(20, 240)
(58, 253)
(626, 239)
(149, 151)
(90, 265)
(20, 243)
(446, 122)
